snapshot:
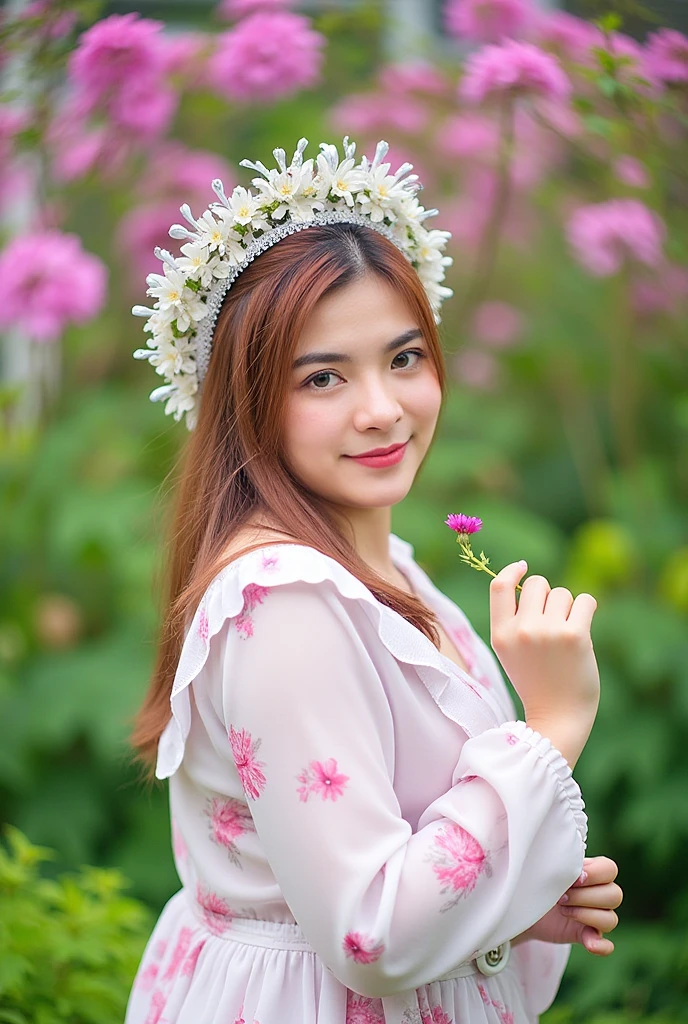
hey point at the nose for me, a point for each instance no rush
(377, 406)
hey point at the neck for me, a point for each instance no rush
(369, 529)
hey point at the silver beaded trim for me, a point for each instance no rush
(218, 290)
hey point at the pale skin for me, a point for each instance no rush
(364, 379)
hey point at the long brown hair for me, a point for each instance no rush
(233, 466)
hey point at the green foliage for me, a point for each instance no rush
(69, 947)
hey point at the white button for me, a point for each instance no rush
(495, 960)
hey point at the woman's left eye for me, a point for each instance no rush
(409, 352)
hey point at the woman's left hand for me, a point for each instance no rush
(585, 911)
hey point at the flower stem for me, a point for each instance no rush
(468, 556)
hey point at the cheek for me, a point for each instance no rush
(425, 399)
(310, 424)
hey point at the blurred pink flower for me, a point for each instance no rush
(476, 369)
(240, 8)
(497, 324)
(665, 293)
(114, 51)
(377, 111)
(666, 55)
(138, 233)
(604, 235)
(185, 54)
(49, 281)
(488, 21)
(414, 76)
(468, 136)
(185, 175)
(52, 24)
(517, 68)
(467, 215)
(266, 56)
(76, 147)
(570, 37)
(143, 107)
(631, 172)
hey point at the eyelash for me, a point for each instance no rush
(331, 373)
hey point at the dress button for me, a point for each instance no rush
(495, 960)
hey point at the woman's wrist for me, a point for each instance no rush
(567, 732)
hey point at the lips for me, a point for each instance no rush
(379, 451)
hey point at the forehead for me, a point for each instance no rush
(359, 313)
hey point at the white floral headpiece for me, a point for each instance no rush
(233, 231)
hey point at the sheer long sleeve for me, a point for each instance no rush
(312, 737)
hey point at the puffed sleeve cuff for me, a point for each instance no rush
(557, 764)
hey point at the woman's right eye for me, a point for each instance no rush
(324, 375)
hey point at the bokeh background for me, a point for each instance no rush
(559, 162)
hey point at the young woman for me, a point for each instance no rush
(363, 829)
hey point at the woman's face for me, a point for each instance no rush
(362, 379)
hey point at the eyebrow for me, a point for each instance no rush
(340, 357)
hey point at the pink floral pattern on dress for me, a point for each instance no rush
(203, 625)
(240, 1018)
(362, 948)
(511, 739)
(229, 819)
(426, 1014)
(505, 1016)
(250, 770)
(459, 861)
(254, 595)
(157, 1005)
(363, 1010)
(179, 954)
(321, 777)
(269, 563)
(189, 965)
(216, 913)
(147, 977)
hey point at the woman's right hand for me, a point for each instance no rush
(545, 648)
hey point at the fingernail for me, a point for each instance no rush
(583, 876)
(523, 564)
(563, 899)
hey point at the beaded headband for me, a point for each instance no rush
(232, 232)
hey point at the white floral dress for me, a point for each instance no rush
(359, 826)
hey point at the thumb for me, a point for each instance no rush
(592, 940)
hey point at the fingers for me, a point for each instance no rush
(582, 611)
(608, 896)
(503, 592)
(533, 596)
(602, 920)
(597, 870)
(595, 943)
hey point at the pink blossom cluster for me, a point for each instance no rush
(174, 175)
(517, 68)
(266, 56)
(667, 55)
(240, 8)
(119, 68)
(50, 282)
(488, 21)
(605, 236)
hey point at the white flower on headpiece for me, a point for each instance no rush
(245, 209)
(230, 233)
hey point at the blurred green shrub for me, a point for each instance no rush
(69, 947)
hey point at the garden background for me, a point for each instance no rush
(559, 162)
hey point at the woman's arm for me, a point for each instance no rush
(387, 909)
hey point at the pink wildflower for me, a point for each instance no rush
(571, 37)
(497, 324)
(49, 281)
(468, 136)
(667, 55)
(362, 948)
(631, 172)
(244, 749)
(460, 523)
(144, 106)
(240, 8)
(114, 52)
(604, 235)
(520, 69)
(323, 778)
(488, 21)
(266, 57)
(414, 76)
